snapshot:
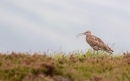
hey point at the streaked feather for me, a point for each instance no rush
(96, 43)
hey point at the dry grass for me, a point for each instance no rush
(76, 66)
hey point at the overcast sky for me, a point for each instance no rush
(40, 25)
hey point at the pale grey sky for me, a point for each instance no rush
(40, 25)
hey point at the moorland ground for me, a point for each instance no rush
(76, 66)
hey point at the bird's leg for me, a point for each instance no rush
(97, 53)
(93, 55)
(102, 52)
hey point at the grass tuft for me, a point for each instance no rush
(75, 66)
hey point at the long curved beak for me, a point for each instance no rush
(80, 35)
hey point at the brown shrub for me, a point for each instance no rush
(50, 68)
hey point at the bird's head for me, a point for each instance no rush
(87, 33)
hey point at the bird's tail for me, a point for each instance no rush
(108, 49)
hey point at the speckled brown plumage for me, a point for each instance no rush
(95, 42)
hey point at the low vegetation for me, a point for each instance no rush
(76, 66)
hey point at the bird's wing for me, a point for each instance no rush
(103, 45)
(98, 39)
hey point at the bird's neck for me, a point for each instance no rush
(87, 38)
(88, 35)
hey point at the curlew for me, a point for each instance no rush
(95, 42)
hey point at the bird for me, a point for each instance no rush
(95, 42)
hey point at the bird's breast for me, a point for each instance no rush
(91, 41)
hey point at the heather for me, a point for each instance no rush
(58, 66)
